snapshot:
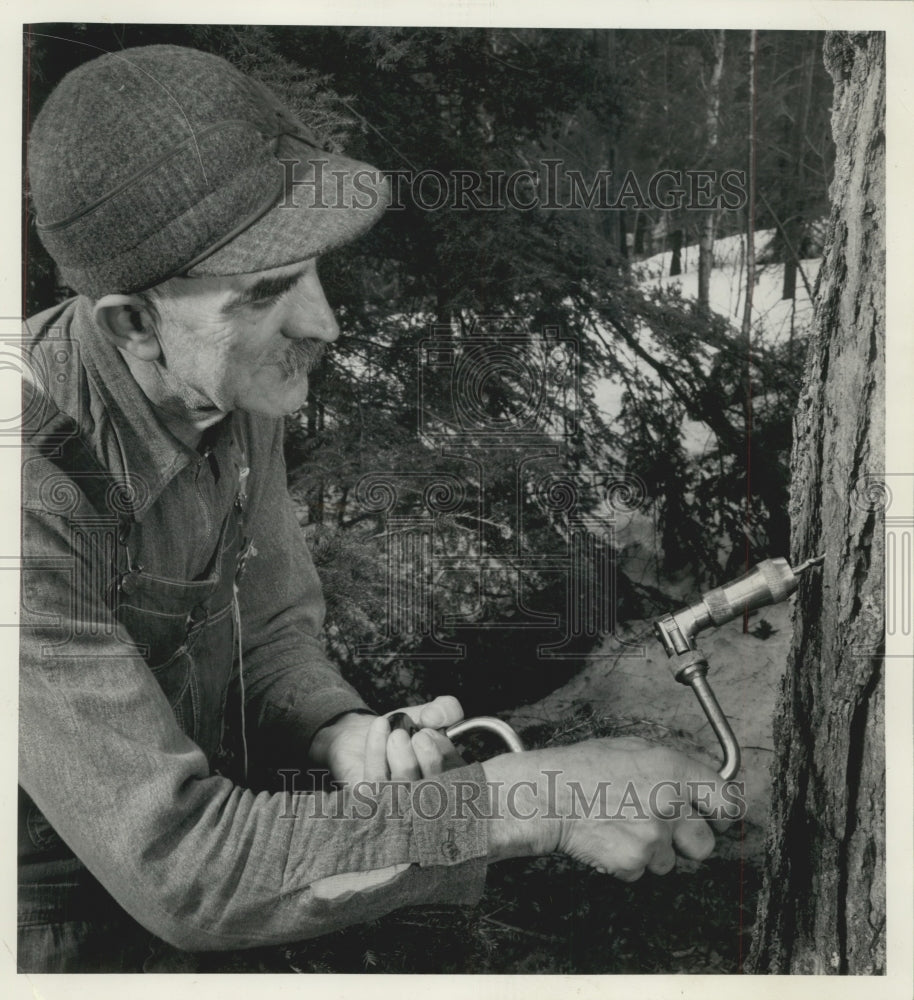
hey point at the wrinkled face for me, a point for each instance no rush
(244, 342)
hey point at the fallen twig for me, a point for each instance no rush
(520, 930)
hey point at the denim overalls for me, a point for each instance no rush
(187, 631)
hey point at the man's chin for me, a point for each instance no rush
(279, 401)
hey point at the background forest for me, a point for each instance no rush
(510, 383)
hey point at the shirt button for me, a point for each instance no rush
(449, 850)
(197, 614)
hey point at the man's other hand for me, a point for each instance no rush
(622, 806)
(360, 747)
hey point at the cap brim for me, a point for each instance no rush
(326, 201)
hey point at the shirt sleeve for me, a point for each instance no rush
(199, 861)
(291, 687)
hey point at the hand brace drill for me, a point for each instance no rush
(770, 582)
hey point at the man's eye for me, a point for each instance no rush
(263, 305)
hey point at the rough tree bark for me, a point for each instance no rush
(822, 906)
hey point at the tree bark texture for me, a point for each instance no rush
(822, 905)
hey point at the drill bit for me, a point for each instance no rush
(815, 561)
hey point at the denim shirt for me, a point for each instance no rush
(119, 738)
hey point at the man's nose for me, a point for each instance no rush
(308, 313)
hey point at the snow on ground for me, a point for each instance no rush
(771, 315)
(772, 319)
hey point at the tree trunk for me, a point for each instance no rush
(676, 259)
(750, 287)
(822, 905)
(794, 228)
(712, 126)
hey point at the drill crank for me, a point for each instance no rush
(400, 720)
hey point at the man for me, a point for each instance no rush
(169, 602)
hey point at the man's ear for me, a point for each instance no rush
(128, 322)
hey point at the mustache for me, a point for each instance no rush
(301, 356)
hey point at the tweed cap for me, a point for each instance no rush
(164, 160)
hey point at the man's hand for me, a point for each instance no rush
(361, 747)
(622, 806)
